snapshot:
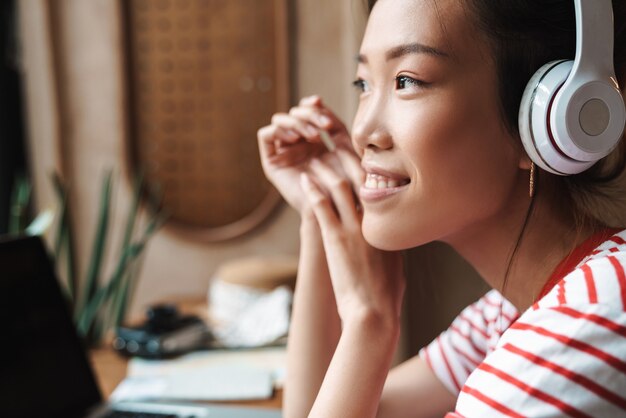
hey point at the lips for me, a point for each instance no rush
(379, 181)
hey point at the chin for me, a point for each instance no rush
(382, 237)
(399, 237)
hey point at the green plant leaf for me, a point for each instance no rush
(61, 194)
(120, 297)
(99, 244)
(104, 294)
(64, 242)
(134, 211)
(20, 198)
(131, 288)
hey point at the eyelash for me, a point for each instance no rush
(401, 83)
(403, 80)
(360, 85)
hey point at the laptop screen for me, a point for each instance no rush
(43, 368)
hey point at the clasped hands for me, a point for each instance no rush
(323, 187)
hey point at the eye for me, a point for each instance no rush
(361, 85)
(403, 81)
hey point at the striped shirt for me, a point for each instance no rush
(564, 356)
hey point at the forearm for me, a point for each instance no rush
(357, 373)
(315, 325)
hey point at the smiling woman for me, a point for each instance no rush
(436, 154)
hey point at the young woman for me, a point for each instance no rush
(435, 154)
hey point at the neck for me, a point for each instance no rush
(498, 245)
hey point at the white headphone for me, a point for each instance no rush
(572, 112)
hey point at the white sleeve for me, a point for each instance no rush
(455, 354)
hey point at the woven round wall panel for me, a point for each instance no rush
(203, 77)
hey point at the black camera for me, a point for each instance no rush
(166, 333)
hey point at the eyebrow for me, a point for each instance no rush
(401, 50)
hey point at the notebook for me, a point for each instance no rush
(44, 371)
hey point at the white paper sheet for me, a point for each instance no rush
(207, 375)
(216, 383)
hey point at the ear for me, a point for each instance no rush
(524, 161)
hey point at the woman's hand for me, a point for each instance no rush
(368, 283)
(291, 140)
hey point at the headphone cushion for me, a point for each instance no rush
(534, 120)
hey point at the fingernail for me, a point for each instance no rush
(324, 120)
(292, 133)
(311, 130)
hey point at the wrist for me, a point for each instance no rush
(308, 223)
(378, 337)
(374, 323)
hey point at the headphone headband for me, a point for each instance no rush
(594, 38)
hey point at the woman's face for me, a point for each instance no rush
(440, 162)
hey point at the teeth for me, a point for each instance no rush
(376, 181)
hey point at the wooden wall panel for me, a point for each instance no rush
(204, 75)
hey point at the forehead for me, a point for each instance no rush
(441, 24)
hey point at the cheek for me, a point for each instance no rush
(475, 174)
(465, 141)
(463, 166)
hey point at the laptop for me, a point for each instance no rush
(44, 370)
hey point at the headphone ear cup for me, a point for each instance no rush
(534, 120)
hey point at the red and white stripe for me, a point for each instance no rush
(472, 336)
(565, 356)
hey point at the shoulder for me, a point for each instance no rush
(600, 278)
(489, 309)
(561, 359)
(565, 355)
(553, 362)
(474, 333)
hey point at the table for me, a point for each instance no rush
(110, 369)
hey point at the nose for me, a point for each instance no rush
(369, 129)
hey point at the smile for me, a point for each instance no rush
(378, 187)
(376, 181)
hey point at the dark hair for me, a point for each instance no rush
(526, 34)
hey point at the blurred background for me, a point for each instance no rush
(172, 92)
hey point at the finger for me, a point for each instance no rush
(294, 154)
(286, 121)
(340, 189)
(313, 118)
(322, 122)
(271, 138)
(351, 164)
(312, 115)
(313, 100)
(266, 140)
(321, 116)
(316, 103)
(321, 205)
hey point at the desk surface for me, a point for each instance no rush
(110, 369)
